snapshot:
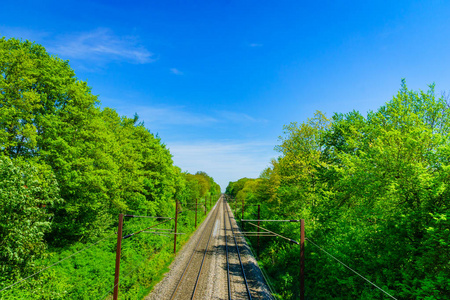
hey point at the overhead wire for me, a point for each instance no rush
(124, 276)
(153, 217)
(309, 240)
(131, 234)
(276, 234)
(163, 229)
(243, 220)
(57, 262)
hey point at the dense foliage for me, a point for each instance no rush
(373, 192)
(67, 169)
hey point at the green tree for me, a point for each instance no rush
(27, 193)
(373, 191)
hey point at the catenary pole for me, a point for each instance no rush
(118, 250)
(259, 218)
(302, 259)
(196, 209)
(176, 223)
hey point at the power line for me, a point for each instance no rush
(164, 232)
(351, 269)
(109, 291)
(56, 263)
(163, 229)
(242, 220)
(131, 234)
(133, 216)
(279, 235)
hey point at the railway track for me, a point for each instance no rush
(186, 287)
(238, 287)
(216, 265)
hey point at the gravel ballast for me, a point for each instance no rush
(212, 283)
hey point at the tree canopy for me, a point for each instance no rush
(374, 192)
(68, 167)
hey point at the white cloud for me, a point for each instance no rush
(100, 45)
(224, 161)
(255, 45)
(22, 33)
(237, 117)
(177, 115)
(176, 71)
(169, 115)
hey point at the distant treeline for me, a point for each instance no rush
(68, 167)
(374, 192)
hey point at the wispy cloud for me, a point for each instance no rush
(238, 117)
(225, 161)
(167, 115)
(101, 44)
(178, 115)
(255, 45)
(22, 33)
(176, 71)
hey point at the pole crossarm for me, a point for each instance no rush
(131, 234)
(276, 234)
(242, 220)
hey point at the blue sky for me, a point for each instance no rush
(217, 80)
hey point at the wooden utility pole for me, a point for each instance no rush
(176, 223)
(242, 224)
(196, 212)
(259, 218)
(205, 205)
(302, 259)
(118, 250)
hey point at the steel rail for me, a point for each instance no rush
(239, 255)
(226, 248)
(188, 264)
(204, 255)
(264, 274)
